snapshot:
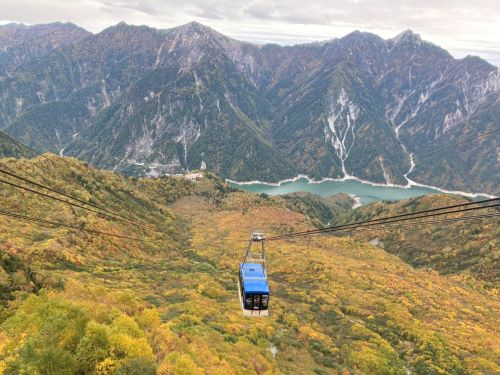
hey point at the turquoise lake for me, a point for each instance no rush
(367, 193)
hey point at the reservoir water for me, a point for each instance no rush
(365, 192)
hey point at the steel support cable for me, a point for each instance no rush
(72, 204)
(426, 154)
(55, 223)
(354, 226)
(408, 214)
(385, 226)
(21, 145)
(413, 225)
(62, 193)
(398, 218)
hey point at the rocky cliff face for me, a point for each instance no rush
(147, 101)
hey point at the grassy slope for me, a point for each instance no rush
(170, 304)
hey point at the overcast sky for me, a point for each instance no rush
(461, 26)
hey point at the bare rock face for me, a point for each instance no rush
(145, 101)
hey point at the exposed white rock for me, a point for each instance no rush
(104, 92)
(198, 90)
(340, 126)
(387, 177)
(474, 93)
(19, 105)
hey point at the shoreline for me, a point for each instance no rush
(354, 178)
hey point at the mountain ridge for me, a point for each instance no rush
(176, 99)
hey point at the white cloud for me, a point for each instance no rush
(461, 26)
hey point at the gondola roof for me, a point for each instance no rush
(254, 278)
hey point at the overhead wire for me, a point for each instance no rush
(425, 155)
(384, 226)
(420, 223)
(26, 147)
(417, 212)
(58, 224)
(56, 163)
(402, 217)
(11, 174)
(71, 203)
(395, 218)
(331, 229)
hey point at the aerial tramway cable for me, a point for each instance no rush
(70, 203)
(60, 193)
(388, 224)
(465, 140)
(21, 145)
(419, 223)
(55, 223)
(392, 219)
(51, 160)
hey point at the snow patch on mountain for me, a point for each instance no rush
(189, 133)
(158, 55)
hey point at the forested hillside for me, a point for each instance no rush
(79, 302)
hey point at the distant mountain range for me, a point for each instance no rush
(144, 101)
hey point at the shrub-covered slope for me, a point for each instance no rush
(468, 247)
(79, 303)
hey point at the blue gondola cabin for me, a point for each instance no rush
(254, 290)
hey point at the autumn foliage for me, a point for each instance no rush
(77, 303)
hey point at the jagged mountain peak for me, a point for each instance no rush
(196, 28)
(125, 27)
(191, 41)
(409, 41)
(406, 36)
(405, 40)
(359, 38)
(360, 34)
(475, 60)
(20, 25)
(20, 43)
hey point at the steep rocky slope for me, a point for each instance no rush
(146, 101)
